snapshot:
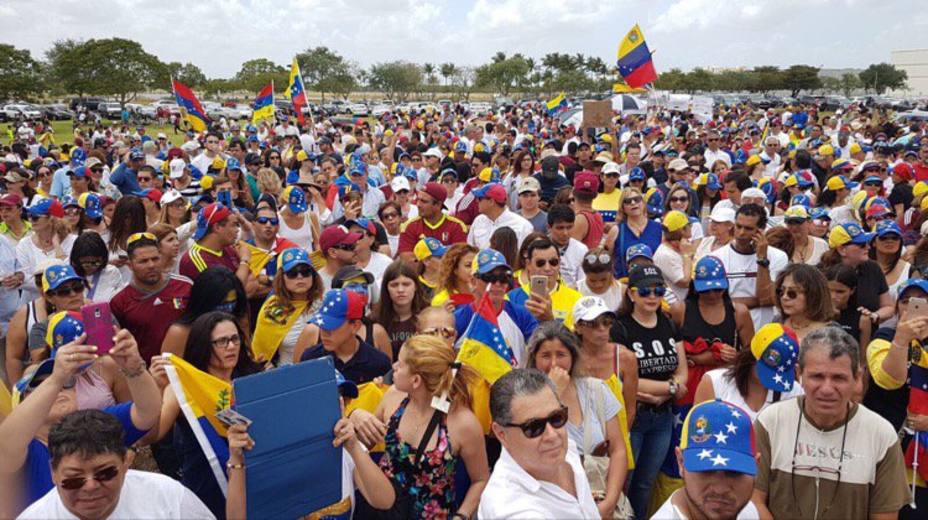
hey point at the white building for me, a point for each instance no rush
(915, 63)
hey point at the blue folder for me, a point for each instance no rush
(293, 469)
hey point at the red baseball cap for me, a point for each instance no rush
(586, 181)
(11, 199)
(493, 191)
(335, 236)
(435, 190)
(904, 170)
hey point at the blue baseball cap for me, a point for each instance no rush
(638, 250)
(428, 247)
(873, 179)
(91, 203)
(80, 172)
(233, 164)
(487, 260)
(637, 174)
(709, 274)
(28, 381)
(917, 283)
(848, 233)
(69, 202)
(801, 199)
(293, 177)
(57, 275)
(136, 154)
(718, 436)
(819, 213)
(345, 387)
(211, 214)
(296, 199)
(338, 307)
(46, 207)
(776, 350)
(63, 328)
(291, 258)
(887, 227)
(460, 146)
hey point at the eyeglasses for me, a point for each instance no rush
(553, 262)
(144, 179)
(504, 278)
(104, 475)
(389, 216)
(91, 263)
(345, 247)
(212, 141)
(268, 220)
(600, 321)
(644, 292)
(602, 258)
(533, 428)
(233, 340)
(632, 200)
(679, 199)
(790, 293)
(300, 271)
(68, 290)
(443, 332)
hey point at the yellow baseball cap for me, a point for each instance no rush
(675, 221)
(855, 148)
(920, 188)
(826, 149)
(219, 163)
(752, 160)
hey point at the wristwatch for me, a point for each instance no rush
(673, 386)
(765, 263)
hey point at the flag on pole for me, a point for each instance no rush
(622, 88)
(557, 104)
(635, 64)
(201, 396)
(264, 104)
(190, 105)
(296, 93)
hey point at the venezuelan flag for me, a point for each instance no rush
(482, 345)
(201, 396)
(557, 104)
(274, 321)
(918, 405)
(296, 93)
(635, 64)
(264, 104)
(189, 103)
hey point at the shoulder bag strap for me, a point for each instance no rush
(429, 430)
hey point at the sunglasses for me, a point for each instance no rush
(443, 332)
(553, 262)
(36, 218)
(97, 170)
(601, 321)
(790, 293)
(712, 139)
(644, 292)
(274, 157)
(503, 278)
(68, 290)
(874, 184)
(533, 428)
(268, 220)
(601, 258)
(679, 199)
(632, 200)
(611, 175)
(300, 271)
(144, 179)
(345, 247)
(104, 475)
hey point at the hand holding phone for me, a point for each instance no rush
(98, 325)
(918, 307)
(539, 285)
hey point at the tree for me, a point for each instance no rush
(801, 77)
(429, 71)
(463, 81)
(21, 74)
(831, 84)
(109, 67)
(187, 73)
(397, 79)
(766, 78)
(673, 80)
(325, 70)
(503, 76)
(447, 71)
(256, 74)
(881, 76)
(849, 83)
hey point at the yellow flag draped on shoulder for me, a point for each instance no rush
(274, 321)
(259, 258)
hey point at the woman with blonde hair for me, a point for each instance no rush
(168, 245)
(269, 183)
(632, 227)
(426, 369)
(175, 211)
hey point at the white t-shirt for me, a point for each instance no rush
(482, 228)
(102, 288)
(143, 495)
(726, 390)
(668, 511)
(377, 265)
(742, 277)
(572, 262)
(29, 256)
(671, 264)
(612, 296)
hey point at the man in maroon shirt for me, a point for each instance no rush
(152, 300)
(216, 235)
(431, 222)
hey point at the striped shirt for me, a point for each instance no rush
(200, 257)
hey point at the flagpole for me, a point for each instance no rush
(914, 468)
(305, 96)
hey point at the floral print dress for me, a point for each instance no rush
(431, 482)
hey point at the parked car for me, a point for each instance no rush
(380, 110)
(359, 109)
(57, 112)
(22, 111)
(912, 116)
(90, 103)
(110, 109)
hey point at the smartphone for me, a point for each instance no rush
(230, 417)
(225, 197)
(540, 285)
(918, 307)
(98, 325)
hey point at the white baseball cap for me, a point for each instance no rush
(433, 152)
(170, 196)
(177, 168)
(589, 308)
(611, 167)
(721, 214)
(399, 183)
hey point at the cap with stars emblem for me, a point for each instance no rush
(338, 307)
(709, 274)
(776, 350)
(63, 327)
(718, 436)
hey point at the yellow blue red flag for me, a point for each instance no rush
(201, 396)
(296, 91)
(188, 102)
(635, 64)
(482, 345)
(557, 104)
(264, 104)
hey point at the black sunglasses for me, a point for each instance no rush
(68, 290)
(553, 262)
(300, 271)
(345, 247)
(490, 278)
(104, 475)
(533, 428)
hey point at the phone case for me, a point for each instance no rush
(225, 198)
(98, 325)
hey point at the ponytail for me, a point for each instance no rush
(434, 361)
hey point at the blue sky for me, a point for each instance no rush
(218, 35)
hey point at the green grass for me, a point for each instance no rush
(64, 131)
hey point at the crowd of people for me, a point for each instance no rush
(705, 318)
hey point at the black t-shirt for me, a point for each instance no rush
(366, 364)
(901, 194)
(655, 348)
(871, 283)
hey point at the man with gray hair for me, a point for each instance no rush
(822, 455)
(539, 474)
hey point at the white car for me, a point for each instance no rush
(481, 108)
(243, 110)
(359, 109)
(380, 110)
(22, 110)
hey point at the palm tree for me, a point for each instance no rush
(447, 70)
(429, 71)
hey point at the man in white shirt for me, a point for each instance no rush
(491, 201)
(713, 153)
(717, 465)
(90, 469)
(752, 265)
(539, 474)
(771, 156)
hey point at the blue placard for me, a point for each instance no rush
(293, 469)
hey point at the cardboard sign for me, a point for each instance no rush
(293, 468)
(597, 114)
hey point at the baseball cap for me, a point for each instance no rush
(551, 164)
(350, 275)
(819, 213)
(336, 235)
(170, 196)
(460, 146)
(586, 181)
(429, 247)
(90, 202)
(886, 228)
(346, 388)
(826, 150)
(841, 165)
(904, 171)
(644, 276)
(435, 190)
(718, 436)
(675, 221)
(63, 328)
(848, 233)
(752, 160)
(10, 199)
(709, 274)
(920, 188)
(603, 157)
(677, 165)
(776, 350)
(136, 154)
(528, 184)
(796, 214)
(489, 175)
(15, 176)
(799, 199)
(588, 308)
(709, 180)
(81, 172)
(840, 182)
(494, 191)
(638, 250)
(874, 180)
(487, 260)
(210, 214)
(654, 200)
(292, 257)
(49, 207)
(400, 183)
(296, 199)
(637, 174)
(29, 379)
(153, 195)
(56, 275)
(611, 167)
(177, 167)
(435, 152)
(918, 283)
(338, 307)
